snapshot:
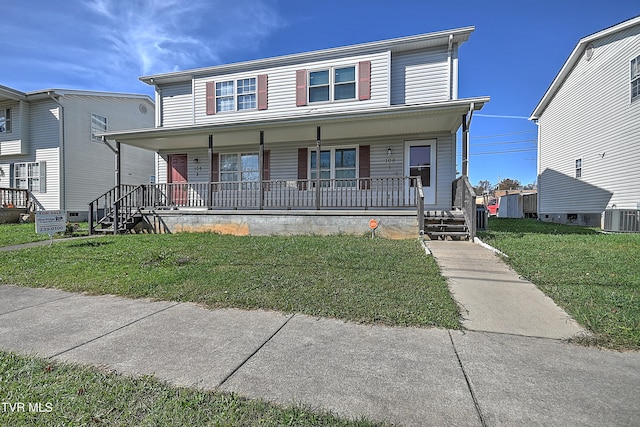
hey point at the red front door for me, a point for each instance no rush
(178, 178)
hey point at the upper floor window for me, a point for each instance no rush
(98, 125)
(236, 95)
(578, 168)
(5, 120)
(635, 78)
(332, 84)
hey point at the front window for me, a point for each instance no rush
(30, 176)
(5, 120)
(239, 167)
(332, 84)
(98, 125)
(578, 168)
(337, 163)
(236, 95)
(635, 78)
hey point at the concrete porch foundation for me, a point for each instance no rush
(391, 224)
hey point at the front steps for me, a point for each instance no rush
(445, 225)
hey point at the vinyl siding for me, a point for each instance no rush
(89, 165)
(44, 137)
(15, 142)
(591, 118)
(177, 104)
(419, 77)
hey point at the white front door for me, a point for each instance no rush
(420, 161)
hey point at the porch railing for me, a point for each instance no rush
(357, 193)
(14, 198)
(464, 198)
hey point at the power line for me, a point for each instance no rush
(498, 116)
(520, 141)
(523, 150)
(503, 134)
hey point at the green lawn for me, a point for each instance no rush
(16, 234)
(595, 277)
(358, 279)
(56, 394)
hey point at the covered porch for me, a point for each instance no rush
(398, 160)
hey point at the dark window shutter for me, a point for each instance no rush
(211, 98)
(302, 169)
(215, 169)
(364, 168)
(364, 80)
(266, 170)
(262, 92)
(301, 88)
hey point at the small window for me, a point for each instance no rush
(578, 168)
(30, 176)
(635, 78)
(98, 125)
(333, 84)
(236, 95)
(5, 120)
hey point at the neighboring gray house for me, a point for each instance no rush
(589, 130)
(48, 145)
(238, 144)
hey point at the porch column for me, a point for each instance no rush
(209, 186)
(466, 123)
(318, 149)
(465, 146)
(261, 169)
(118, 170)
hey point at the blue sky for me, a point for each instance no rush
(515, 52)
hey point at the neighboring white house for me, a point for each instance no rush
(589, 130)
(373, 113)
(48, 145)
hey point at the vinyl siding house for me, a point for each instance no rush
(48, 145)
(589, 132)
(317, 142)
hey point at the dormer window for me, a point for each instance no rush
(5, 120)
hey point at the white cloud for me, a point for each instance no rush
(154, 36)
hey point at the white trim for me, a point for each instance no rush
(429, 192)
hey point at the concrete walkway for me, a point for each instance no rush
(494, 298)
(407, 376)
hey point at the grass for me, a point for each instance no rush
(375, 281)
(78, 396)
(17, 234)
(595, 277)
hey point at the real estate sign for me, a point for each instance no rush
(51, 222)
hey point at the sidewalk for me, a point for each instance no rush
(407, 376)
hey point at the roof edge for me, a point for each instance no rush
(573, 58)
(460, 36)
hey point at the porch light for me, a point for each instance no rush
(389, 152)
(195, 160)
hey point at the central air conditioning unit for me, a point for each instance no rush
(622, 220)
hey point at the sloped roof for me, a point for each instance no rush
(575, 56)
(420, 41)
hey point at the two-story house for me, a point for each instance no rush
(49, 145)
(589, 133)
(315, 142)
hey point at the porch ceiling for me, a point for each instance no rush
(401, 120)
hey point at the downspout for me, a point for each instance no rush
(450, 64)
(62, 185)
